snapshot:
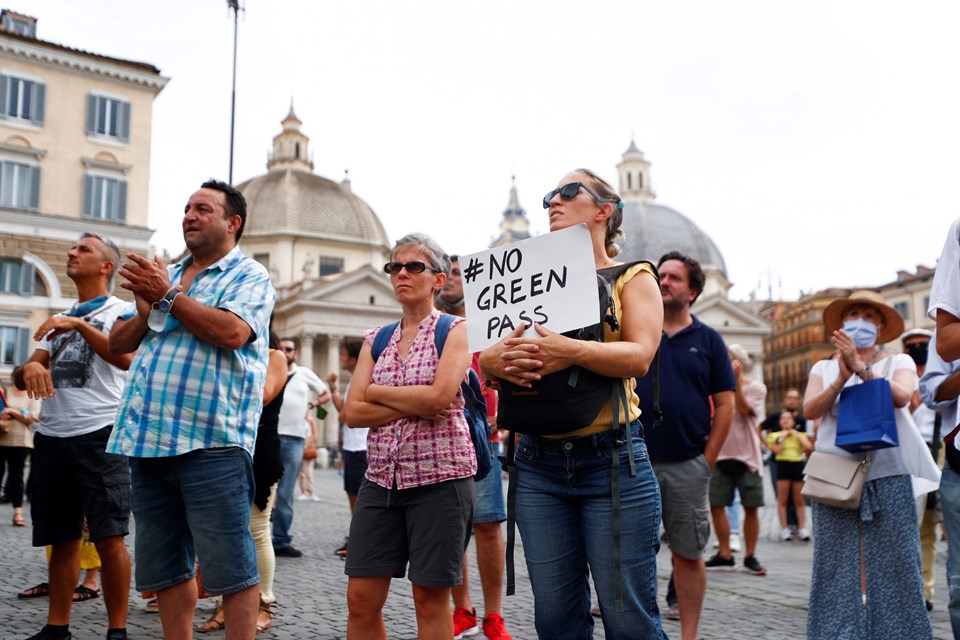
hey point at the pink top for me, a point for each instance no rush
(414, 451)
(743, 441)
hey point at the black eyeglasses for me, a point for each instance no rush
(393, 268)
(569, 192)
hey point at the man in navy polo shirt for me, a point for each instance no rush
(694, 368)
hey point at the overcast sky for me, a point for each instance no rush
(816, 143)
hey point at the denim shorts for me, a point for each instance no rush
(195, 505)
(427, 527)
(490, 505)
(74, 478)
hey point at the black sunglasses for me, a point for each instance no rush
(393, 268)
(569, 192)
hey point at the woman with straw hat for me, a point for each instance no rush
(866, 562)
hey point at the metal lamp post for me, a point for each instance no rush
(235, 5)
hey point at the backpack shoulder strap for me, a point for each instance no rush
(382, 338)
(441, 331)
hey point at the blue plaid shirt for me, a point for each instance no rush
(184, 394)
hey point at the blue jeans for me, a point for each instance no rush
(194, 505)
(950, 501)
(564, 513)
(291, 451)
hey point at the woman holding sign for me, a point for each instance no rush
(415, 505)
(866, 561)
(587, 500)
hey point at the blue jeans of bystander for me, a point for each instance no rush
(950, 501)
(291, 451)
(564, 513)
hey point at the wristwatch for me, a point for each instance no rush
(160, 309)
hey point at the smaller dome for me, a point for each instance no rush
(305, 204)
(653, 229)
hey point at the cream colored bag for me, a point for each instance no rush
(835, 480)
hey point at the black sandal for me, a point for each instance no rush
(42, 590)
(83, 593)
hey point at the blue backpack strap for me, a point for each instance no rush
(382, 338)
(441, 331)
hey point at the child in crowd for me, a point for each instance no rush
(789, 447)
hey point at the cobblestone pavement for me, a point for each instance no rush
(311, 590)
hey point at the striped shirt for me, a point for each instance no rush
(185, 394)
(415, 451)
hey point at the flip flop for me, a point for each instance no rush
(42, 590)
(83, 593)
(214, 623)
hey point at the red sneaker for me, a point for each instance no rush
(464, 623)
(494, 628)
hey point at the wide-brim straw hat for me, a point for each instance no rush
(892, 322)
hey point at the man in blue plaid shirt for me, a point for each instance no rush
(189, 413)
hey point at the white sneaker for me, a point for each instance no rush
(803, 535)
(735, 542)
(315, 498)
(786, 534)
(302, 496)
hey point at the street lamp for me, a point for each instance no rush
(235, 5)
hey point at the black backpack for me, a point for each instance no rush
(568, 400)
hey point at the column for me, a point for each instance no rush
(306, 352)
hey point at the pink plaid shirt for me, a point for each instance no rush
(413, 450)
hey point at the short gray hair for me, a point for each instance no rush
(740, 353)
(426, 245)
(109, 251)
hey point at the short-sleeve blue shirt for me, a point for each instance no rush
(183, 393)
(694, 365)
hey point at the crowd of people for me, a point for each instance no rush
(184, 409)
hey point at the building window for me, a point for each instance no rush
(926, 303)
(16, 277)
(19, 25)
(19, 185)
(22, 99)
(108, 117)
(639, 181)
(330, 266)
(902, 309)
(14, 345)
(104, 198)
(264, 259)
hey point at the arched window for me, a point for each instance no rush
(629, 181)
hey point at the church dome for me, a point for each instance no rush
(291, 199)
(308, 205)
(653, 229)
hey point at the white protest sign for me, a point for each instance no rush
(549, 280)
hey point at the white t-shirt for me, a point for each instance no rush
(945, 291)
(925, 419)
(353, 439)
(86, 387)
(303, 387)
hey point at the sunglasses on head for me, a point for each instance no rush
(569, 192)
(393, 268)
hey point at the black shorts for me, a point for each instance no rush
(354, 467)
(75, 478)
(790, 471)
(428, 527)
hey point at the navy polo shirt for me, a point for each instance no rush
(694, 365)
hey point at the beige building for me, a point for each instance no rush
(75, 133)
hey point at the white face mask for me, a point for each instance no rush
(863, 332)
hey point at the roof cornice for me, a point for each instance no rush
(54, 55)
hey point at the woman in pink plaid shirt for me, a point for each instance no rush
(415, 506)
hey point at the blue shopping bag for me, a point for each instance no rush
(866, 420)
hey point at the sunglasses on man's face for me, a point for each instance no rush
(393, 268)
(569, 192)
